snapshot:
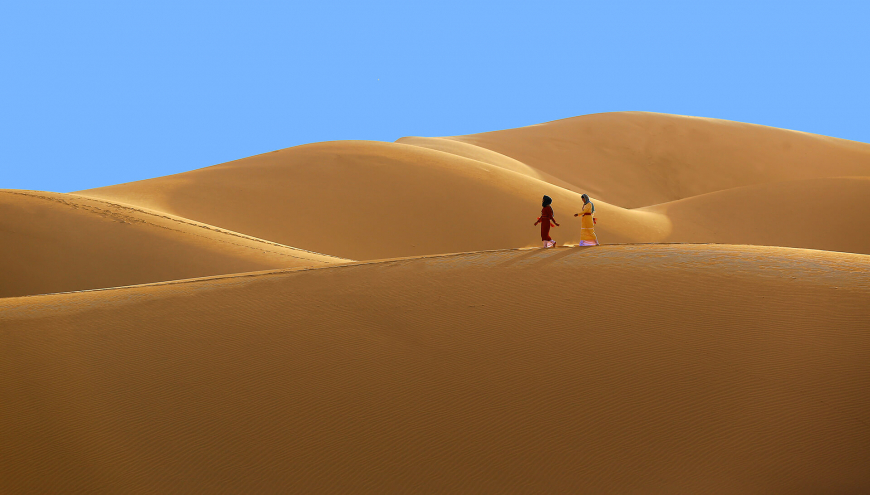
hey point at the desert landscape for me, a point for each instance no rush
(380, 317)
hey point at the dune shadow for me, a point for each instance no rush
(547, 255)
(565, 252)
(523, 257)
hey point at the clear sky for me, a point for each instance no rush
(98, 93)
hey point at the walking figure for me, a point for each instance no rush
(587, 223)
(545, 219)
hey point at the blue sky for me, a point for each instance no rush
(98, 93)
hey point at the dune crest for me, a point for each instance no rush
(370, 200)
(484, 155)
(636, 159)
(828, 213)
(51, 242)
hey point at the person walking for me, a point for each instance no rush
(587, 223)
(545, 219)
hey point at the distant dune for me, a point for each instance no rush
(827, 213)
(623, 369)
(636, 159)
(61, 242)
(367, 200)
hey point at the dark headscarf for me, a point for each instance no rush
(586, 200)
(547, 200)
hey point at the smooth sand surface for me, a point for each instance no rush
(653, 177)
(367, 200)
(52, 242)
(829, 213)
(622, 369)
(635, 159)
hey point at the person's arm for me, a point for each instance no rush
(553, 218)
(539, 221)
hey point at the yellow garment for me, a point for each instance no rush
(587, 226)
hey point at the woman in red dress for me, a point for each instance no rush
(545, 219)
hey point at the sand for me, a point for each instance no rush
(636, 159)
(61, 242)
(360, 200)
(419, 196)
(828, 213)
(718, 342)
(624, 369)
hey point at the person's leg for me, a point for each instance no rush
(545, 232)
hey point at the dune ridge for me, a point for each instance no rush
(636, 159)
(367, 200)
(831, 214)
(55, 242)
(634, 369)
(470, 151)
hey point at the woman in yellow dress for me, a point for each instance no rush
(587, 223)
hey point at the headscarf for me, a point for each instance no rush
(546, 202)
(586, 200)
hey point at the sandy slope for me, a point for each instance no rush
(830, 213)
(53, 242)
(635, 159)
(369, 200)
(484, 155)
(632, 369)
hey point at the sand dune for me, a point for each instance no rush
(622, 369)
(484, 155)
(368, 200)
(635, 159)
(831, 214)
(53, 242)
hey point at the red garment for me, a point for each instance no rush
(546, 217)
(545, 231)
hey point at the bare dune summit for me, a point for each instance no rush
(653, 177)
(636, 159)
(52, 242)
(622, 369)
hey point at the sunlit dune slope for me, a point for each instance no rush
(635, 159)
(473, 152)
(707, 181)
(831, 214)
(622, 369)
(371, 200)
(53, 242)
